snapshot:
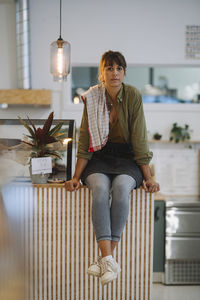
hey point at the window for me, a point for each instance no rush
(157, 84)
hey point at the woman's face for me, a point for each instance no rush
(113, 75)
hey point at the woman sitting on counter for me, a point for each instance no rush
(113, 157)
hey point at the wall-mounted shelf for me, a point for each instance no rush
(173, 143)
(25, 97)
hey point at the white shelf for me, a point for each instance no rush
(168, 107)
(173, 143)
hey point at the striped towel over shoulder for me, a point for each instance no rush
(98, 117)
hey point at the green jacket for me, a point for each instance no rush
(132, 122)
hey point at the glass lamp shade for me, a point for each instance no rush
(60, 59)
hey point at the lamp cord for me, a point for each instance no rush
(60, 18)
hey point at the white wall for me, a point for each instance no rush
(160, 117)
(147, 32)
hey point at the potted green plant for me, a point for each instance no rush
(179, 133)
(157, 136)
(39, 139)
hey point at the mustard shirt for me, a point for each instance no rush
(131, 121)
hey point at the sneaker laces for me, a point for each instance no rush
(98, 262)
(99, 259)
(106, 266)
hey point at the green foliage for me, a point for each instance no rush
(179, 133)
(41, 137)
(157, 136)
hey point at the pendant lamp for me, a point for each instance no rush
(60, 57)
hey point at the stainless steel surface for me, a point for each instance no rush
(182, 272)
(182, 248)
(182, 201)
(183, 220)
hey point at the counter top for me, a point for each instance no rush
(58, 242)
(176, 199)
(182, 201)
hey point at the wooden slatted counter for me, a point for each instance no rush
(59, 243)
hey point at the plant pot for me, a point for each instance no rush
(38, 178)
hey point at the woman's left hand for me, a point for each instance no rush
(151, 186)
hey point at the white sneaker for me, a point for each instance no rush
(109, 270)
(95, 268)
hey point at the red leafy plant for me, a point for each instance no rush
(40, 138)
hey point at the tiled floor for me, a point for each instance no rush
(163, 292)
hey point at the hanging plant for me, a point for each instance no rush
(179, 133)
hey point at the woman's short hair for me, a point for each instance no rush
(108, 59)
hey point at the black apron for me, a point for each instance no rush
(114, 159)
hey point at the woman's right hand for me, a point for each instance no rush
(72, 185)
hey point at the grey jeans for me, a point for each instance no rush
(110, 203)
